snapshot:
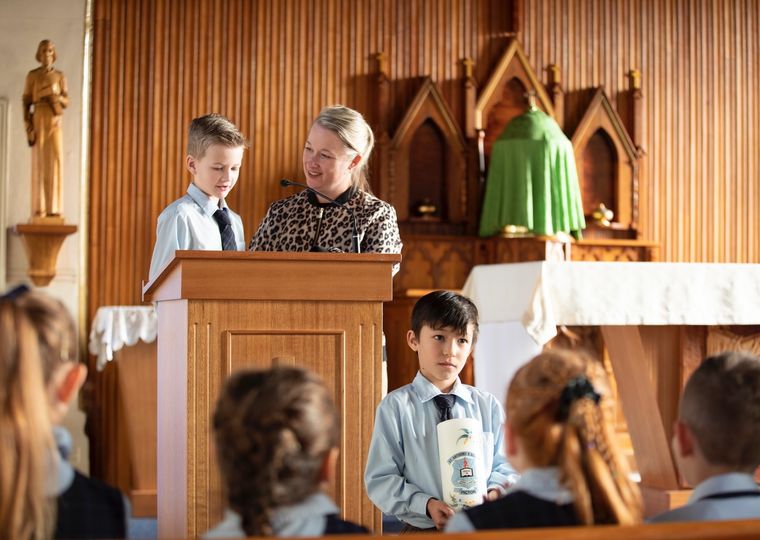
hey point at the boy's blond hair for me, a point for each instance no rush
(213, 129)
(721, 406)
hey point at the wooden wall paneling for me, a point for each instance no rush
(270, 66)
(699, 78)
(437, 262)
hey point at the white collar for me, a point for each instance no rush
(543, 483)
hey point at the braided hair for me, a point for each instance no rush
(273, 430)
(559, 406)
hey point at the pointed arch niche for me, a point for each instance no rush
(424, 175)
(503, 98)
(607, 162)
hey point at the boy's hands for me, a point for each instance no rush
(492, 495)
(439, 512)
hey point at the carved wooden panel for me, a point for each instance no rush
(438, 262)
(607, 163)
(227, 336)
(614, 250)
(405, 182)
(507, 250)
(721, 339)
(501, 94)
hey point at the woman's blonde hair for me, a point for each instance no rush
(355, 133)
(559, 406)
(273, 431)
(36, 332)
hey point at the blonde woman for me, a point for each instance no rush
(337, 212)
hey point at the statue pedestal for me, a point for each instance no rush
(42, 242)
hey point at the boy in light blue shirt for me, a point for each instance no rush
(201, 218)
(403, 475)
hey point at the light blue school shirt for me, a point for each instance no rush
(307, 518)
(188, 223)
(403, 468)
(700, 508)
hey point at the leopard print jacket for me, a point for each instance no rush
(293, 224)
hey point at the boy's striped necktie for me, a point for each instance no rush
(444, 402)
(225, 230)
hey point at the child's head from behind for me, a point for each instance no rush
(214, 154)
(276, 435)
(49, 334)
(720, 408)
(559, 414)
(37, 341)
(444, 329)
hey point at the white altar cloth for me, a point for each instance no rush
(521, 304)
(117, 326)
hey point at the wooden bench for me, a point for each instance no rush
(697, 530)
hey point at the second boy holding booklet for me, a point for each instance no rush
(403, 475)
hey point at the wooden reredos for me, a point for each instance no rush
(607, 162)
(503, 97)
(423, 170)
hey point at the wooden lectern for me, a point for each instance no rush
(219, 312)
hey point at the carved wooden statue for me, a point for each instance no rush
(45, 97)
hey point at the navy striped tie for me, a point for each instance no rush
(444, 402)
(225, 230)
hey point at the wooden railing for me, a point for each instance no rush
(697, 530)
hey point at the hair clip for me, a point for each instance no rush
(577, 388)
(14, 292)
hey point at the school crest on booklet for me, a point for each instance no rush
(460, 450)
